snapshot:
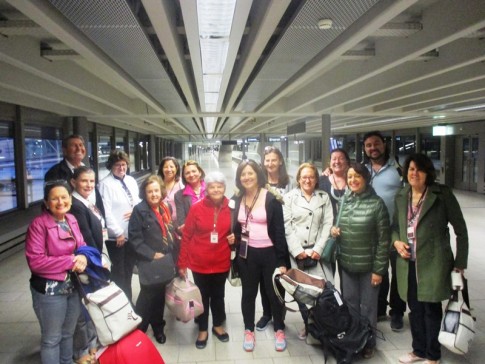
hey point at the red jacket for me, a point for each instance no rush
(197, 252)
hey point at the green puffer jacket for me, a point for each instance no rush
(364, 233)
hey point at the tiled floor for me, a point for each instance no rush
(20, 334)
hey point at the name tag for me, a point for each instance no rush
(214, 237)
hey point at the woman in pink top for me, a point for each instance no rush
(260, 234)
(50, 245)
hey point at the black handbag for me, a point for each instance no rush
(306, 263)
(330, 250)
(156, 271)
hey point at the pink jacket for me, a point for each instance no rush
(49, 249)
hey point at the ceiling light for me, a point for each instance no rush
(467, 108)
(325, 23)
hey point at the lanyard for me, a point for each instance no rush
(216, 215)
(413, 213)
(248, 211)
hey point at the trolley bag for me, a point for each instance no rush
(340, 330)
(133, 348)
(183, 299)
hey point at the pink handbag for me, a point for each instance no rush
(183, 299)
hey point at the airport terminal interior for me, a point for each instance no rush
(217, 81)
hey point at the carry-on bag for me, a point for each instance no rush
(183, 299)
(341, 331)
(135, 347)
(111, 312)
(303, 287)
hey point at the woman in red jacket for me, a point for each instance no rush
(205, 250)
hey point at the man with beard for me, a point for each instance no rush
(386, 180)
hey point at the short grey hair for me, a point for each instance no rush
(215, 176)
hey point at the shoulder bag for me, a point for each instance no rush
(156, 271)
(329, 254)
(233, 276)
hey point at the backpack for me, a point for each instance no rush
(340, 330)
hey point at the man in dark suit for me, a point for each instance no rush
(74, 152)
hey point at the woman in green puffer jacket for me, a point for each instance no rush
(364, 246)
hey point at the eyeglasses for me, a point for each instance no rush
(309, 178)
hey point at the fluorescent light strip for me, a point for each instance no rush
(215, 19)
(467, 108)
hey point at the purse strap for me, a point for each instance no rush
(340, 210)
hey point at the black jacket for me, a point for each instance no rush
(59, 171)
(146, 234)
(89, 224)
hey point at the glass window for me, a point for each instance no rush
(405, 145)
(104, 148)
(43, 149)
(8, 193)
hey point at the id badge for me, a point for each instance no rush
(214, 237)
(243, 246)
(410, 232)
(105, 234)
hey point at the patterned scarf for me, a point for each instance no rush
(165, 221)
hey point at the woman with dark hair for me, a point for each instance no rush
(260, 234)
(421, 238)
(278, 182)
(120, 194)
(364, 238)
(205, 250)
(274, 169)
(169, 171)
(50, 244)
(194, 190)
(151, 238)
(335, 183)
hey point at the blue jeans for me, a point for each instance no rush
(57, 317)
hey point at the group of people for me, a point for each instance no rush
(387, 213)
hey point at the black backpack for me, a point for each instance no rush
(340, 330)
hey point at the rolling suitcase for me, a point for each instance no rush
(133, 348)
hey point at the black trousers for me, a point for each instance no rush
(150, 306)
(259, 264)
(397, 305)
(123, 261)
(212, 289)
(425, 319)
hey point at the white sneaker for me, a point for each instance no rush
(302, 334)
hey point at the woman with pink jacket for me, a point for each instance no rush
(50, 245)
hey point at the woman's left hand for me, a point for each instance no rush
(231, 239)
(376, 280)
(80, 263)
(315, 255)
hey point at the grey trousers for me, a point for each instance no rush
(361, 296)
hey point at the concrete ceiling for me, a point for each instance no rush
(136, 64)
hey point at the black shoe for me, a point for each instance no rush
(263, 322)
(396, 323)
(160, 337)
(222, 337)
(201, 344)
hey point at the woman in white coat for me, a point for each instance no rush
(308, 218)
